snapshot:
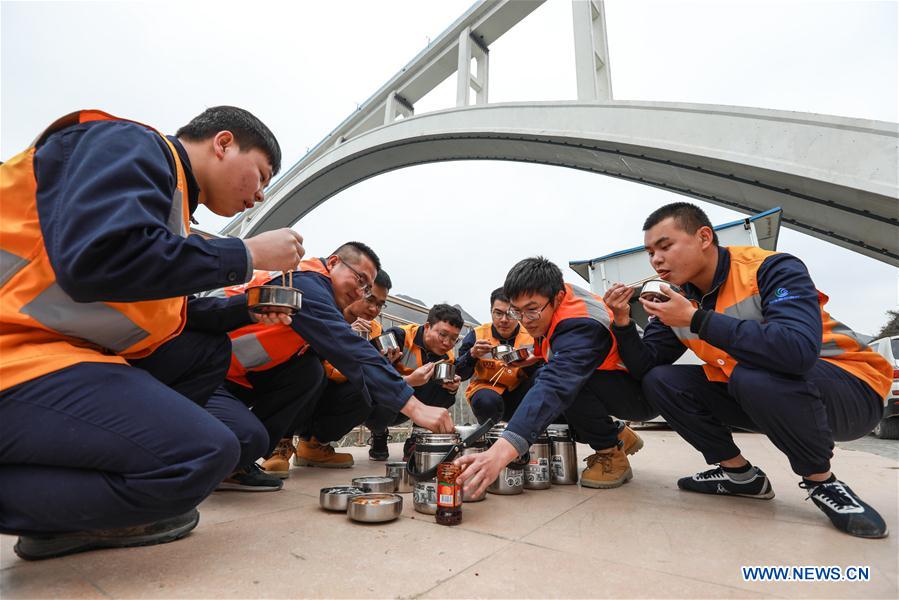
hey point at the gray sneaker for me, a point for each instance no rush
(251, 479)
(39, 547)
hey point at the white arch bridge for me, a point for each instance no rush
(835, 177)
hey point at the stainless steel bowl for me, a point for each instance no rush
(336, 497)
(274, 298)
(501, 349)
(386, 341)
(375, 508)
(514, 355)
(375, 484)
(396, 470)
(652, 290)
(445, 372)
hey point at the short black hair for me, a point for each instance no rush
(383, 279)
(352, 252)
(445, 312)
(249, 132)
(688, 217)
(498, 294)
(535, 275)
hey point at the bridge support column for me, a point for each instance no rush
(470, 48)
(591, 51)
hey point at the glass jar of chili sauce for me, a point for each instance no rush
(449, 494)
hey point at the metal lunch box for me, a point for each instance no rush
(563, 455)
(336, 497)
(536, 472)
(430, 449)
(386, 341)
(375, 508)
(396, 470)
(473, 447)
(444, 372)
(274, 298)
(514, 355)
(652, 290)
(511, 478)
(500, 349)
(375, 484)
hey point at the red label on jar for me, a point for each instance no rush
(448, 495)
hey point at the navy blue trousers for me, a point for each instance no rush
(802, 416)
(489, 404)
(339, 409)
(99, 445)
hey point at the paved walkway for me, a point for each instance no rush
(645, 539)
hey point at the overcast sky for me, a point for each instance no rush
(450, 231)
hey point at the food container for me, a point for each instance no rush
(430, 450)
(563, 455)
(652, 290)
(514, 355)
(472, 447)
(336, 497)
(375, 484)
(536, 472)
(501, 349)
(274, 298)
(511, 478)
(386, 341)
(444, 372)
(375, 508)
(396, 470)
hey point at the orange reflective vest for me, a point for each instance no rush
(493, 374)
(413, 356)
(259, 347)
(739, 297)
(331, 371)
(42, 329)
(578, 303)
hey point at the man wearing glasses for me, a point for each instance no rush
(423, 346)
(274, 372)
(496, 389)
(582, 379)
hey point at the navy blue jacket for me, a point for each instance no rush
(104, 192)
(325, 329)
(579, 346)
(787, 340)
(431, 392)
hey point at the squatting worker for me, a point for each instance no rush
(583, 379)
(277, 369)
(340, 407)
(422, 347)
(105, 364)
(496, 388)
(775, 362)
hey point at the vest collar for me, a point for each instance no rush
(193, 188)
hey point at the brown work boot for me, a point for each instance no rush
(606, 469)
(278, 464)
(310, 453)
(631, 442)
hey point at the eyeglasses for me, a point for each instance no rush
(499, 314)
(361, 282)
(445, 337)
(528, 315)
(375, 302)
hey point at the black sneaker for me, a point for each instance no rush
(379, 450)
(408, 448)
(716, 481)
(160, 532)
(251, 479)
(845, 509)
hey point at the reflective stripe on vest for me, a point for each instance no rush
(579, 303)
(840, 345)
(259, 347)
(43, 328)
